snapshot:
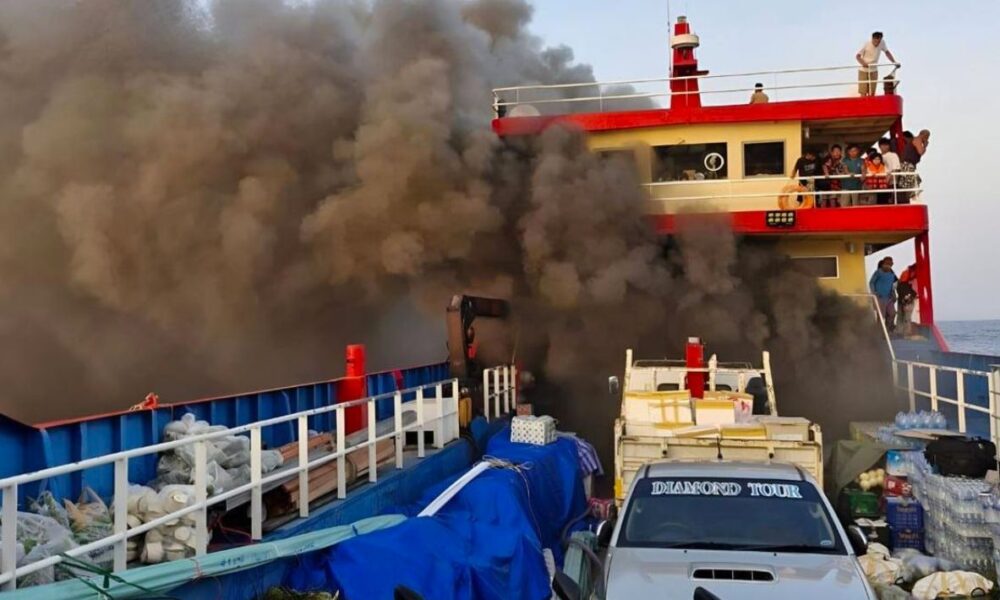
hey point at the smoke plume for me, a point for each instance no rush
(198, 198)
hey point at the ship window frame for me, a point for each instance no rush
(655, 162)
(836, 264)
(784, 158)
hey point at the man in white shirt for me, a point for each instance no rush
(868, 57)
(891, 161)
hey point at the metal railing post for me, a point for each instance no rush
(513, 387)
(341, 455)
(303, 466)
(8, 536)
(201, 498)
(506, 389)
(420, 419)
(372, 454)
(121, 514)
(496, 392)
(932, 374)
(397, 404)
(992, 390)
(256, 504)
(455, 423)
(960, 397)
(486, 395)
(911, 387)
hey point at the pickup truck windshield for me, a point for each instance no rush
(729, 514)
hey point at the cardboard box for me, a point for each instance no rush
(660, 408)
(791, 429)
(533, 430)
(525, 409)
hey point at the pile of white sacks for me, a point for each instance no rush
(228, 467)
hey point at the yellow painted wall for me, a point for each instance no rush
(734, 135)
(852, 279)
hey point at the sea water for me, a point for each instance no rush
(975, 337)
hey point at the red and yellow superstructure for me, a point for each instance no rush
(759, 143)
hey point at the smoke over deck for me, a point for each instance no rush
(196, 200)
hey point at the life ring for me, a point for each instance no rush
(794, 196)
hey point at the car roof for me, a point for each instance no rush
(723, 468)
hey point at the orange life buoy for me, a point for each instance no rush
(794, 196)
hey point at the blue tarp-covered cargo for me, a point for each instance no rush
(485, 543)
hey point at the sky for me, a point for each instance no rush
(949, 53)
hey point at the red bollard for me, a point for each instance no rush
(353, 386)
(695, 358)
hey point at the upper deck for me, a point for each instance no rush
(699, 145)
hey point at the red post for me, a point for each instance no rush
(695, 358)
(896, 131)
(353, 386)
(925, 297)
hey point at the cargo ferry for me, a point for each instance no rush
(362, 456)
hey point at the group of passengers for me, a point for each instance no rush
(877, 176)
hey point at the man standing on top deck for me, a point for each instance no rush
(883, 285)
(868, 58)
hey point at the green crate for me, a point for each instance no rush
(863, 504)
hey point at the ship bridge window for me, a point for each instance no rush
(822, 267)
(763, 158)
(690, 162)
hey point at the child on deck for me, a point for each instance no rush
(876, 178)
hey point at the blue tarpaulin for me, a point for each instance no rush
(485, 543)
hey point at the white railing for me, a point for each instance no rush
(607, 93)
(436, 407)
(873, 301)
(500, 390)
(729, 184)
(961, 402)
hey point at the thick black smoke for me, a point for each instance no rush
(202, 199)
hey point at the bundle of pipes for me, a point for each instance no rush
(322, 479)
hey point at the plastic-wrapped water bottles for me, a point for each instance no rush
(921, 420)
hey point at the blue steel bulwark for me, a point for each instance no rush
(27, 448)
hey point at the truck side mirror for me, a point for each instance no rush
(613, 386)
(859, 541)
(564, 587)
(605, 529)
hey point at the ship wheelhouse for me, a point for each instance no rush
(710, 150)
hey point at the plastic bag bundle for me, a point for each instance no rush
(916, 565)
(90, 520)
(952, 584)
(880, 569)
(39, 537)
(228, 458)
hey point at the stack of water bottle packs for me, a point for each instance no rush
(957, 516)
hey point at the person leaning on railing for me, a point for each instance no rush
(913, 151)
(832, 166)
(868, 57)
(892, 164)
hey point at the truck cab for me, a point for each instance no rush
(740, 530)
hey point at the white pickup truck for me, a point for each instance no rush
(733, 531)
(735, 417)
